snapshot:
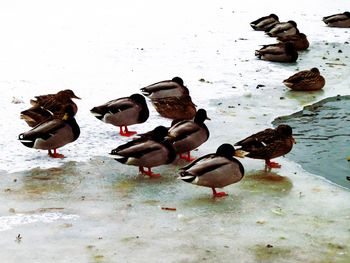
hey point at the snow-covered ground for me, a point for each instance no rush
(104, 50)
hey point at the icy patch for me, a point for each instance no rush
(9, 222)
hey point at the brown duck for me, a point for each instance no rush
(267, 144)
(306, 80)
(45, 106)
(299, 41)
(283, 29)
(338, 20)
(264, 22)
(171, 99)
(279, 52)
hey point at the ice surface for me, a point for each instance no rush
(105, 50)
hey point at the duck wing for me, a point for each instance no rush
(136, 148)
(114, 106)
(183, 129)
(258, 140)
(35, 115)
(198, 161)
(43, 130)
(300, 76)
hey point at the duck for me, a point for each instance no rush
(338, 20)
(267, 144)
(188, 135)
(171, 99)
(146, 151)
(283, 29)
(52, 133)
(306, 80)
(279, 52)
(214, 170)
(299, 40)
(264, 22)
(45, 106)
(166, 88)
(51, 101)
(123, 112)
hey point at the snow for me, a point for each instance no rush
(104, 50)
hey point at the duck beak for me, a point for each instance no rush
(170, 138)
(294, 141)
(207, 118)
(76, 97)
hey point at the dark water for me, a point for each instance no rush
(322, 132)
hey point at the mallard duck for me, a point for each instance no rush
(280, 52)
(267, 144)
(44, 106)
(264, 22)
(171, 99)
(166, 88)
(306, 80)
(299, 41)
(214, 170)
(146, 151)
(283, 29)
(187, 135)
(53, 133)
(123, 112)
(53, 101)
(338, 20)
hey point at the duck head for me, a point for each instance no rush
(158, 134)
(178, 80)
(67, 93)
(315, 70)
(201, 116)
(226, 150)
(285, 131)
(138, 98)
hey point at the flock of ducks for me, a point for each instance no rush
(53, 124)
(290, 42)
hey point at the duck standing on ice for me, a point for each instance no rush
(214, 170)
(267, 144)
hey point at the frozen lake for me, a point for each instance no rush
(89, 208)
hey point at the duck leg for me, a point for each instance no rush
(270, 164)
(218, 194)
(187, 157)
(149, 172)
(55, 154)
(126, 132)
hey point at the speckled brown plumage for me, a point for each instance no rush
(306, 80)
(175, 107)
(45, 106)
(171, 99)
(268, 144)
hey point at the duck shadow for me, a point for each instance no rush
(267, 182)
(39, 181)
(304, 97)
